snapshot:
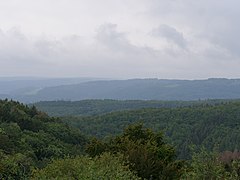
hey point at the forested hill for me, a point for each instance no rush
(212, 126)
(27, 85)
(30, 138)
(36, 146)
(141, 89)
(97, 107)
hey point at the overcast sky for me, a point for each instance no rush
(183, 39)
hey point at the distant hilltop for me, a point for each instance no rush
(132, 89)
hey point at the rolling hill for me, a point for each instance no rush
(212, 126)
(98, 107)
(141, 89)
(75, 89)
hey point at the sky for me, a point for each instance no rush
(166, 39)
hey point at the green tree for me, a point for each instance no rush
(105, 166)
(16, 166)
(144, 151)
(207, 165)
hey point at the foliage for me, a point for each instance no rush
(206, 125)
(105, 166)
(146, 152)
(97, 107)
(207, 165)
(30, 138)
(14, 166)
(34, 145)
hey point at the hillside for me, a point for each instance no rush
(30, 139)
(98, 107)
(141, 89)
(212, 126)
(36, 146)
(17, 87)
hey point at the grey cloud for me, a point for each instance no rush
(118, 43)
(215, 21)
(171, 34)
(108, 35)
(196, 39)
(109, 54)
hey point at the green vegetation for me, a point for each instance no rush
(146, 152)
(29, 138)
(209, 125)
(97, 107)
(106, 166)
(36, 146)
(211, 165)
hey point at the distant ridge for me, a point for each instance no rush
(141, 89)
(98, 107)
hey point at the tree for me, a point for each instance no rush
(105, 166)
(144, 151)
(209, 165)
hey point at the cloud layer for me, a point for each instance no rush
(128, 39)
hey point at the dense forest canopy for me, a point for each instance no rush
(36, 146)
(30, 138)
(96, 107)
(213, 126)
